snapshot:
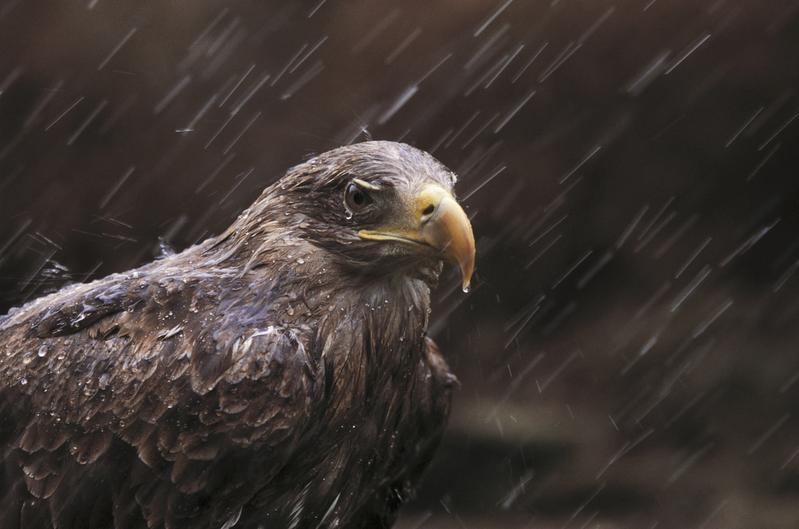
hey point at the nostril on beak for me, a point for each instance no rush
(426, 212)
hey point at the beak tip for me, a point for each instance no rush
(466, 274)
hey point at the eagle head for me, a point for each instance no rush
(376, 206)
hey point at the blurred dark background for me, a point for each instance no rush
(629, 352)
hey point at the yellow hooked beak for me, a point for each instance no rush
(435, 219)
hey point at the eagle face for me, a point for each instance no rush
(380, 206)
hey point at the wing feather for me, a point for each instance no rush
(136, 391)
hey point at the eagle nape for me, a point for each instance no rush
(277, 375)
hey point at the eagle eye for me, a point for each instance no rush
(356, 198)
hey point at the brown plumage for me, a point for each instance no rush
(277, 375)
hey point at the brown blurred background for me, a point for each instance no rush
(629, 352)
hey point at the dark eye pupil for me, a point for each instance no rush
(356, 197)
